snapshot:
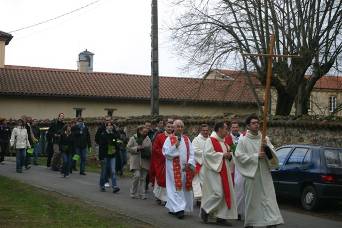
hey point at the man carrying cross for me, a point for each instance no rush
(254, 161)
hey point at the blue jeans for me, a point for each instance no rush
(83, 157)
(66, 163)
(36, 152)
(108, 163)
(20, 158)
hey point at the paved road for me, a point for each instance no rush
(86, 189)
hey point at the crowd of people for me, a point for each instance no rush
(224, 172)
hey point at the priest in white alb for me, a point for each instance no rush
(218, 195)
(254, 163)
(180, 166)
(198, 144)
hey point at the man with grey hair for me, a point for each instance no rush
(180, 165)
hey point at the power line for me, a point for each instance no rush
(55, 18)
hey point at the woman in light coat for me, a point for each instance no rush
(139, 147)
(20, 142)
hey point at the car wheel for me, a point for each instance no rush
(309, 198)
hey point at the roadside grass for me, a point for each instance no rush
(22, 205)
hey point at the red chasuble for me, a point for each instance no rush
(228, 140)
(157, 165)
(223, 172)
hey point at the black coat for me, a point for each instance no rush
(5, 134)
(104, 139)
(55, 131)
(81, 137)
(66, 143)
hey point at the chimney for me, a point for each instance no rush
(5, 38)
(85, 61)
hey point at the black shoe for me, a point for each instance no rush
(223, 222)
(28, 167)
(249, 226)
(83, 173)
(239, 217)
(204, 216)
(103, 189)
(172, 213)
(158, 201)
(116, 189)
(180, 214)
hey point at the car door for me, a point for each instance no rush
(292, 173)
(282, 154)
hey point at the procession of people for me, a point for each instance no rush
(226, 173)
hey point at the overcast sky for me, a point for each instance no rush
(117, 32)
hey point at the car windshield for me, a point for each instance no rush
(333, 158)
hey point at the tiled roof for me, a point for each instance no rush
(326, 82)
(329, 82)
(34, 81)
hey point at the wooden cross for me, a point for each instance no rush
(270, 56)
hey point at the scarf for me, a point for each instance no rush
(223, 173)
(177, 168)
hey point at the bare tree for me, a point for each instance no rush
(209, 32)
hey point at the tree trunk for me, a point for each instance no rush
(303, 99)
(284, 104)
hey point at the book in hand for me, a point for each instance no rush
(268, 152)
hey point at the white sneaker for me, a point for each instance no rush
(107, 185)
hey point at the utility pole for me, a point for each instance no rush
(154, 60)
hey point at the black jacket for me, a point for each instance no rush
(55, 131)
(81, 137)
(28, 129)
(104, 139)
(5, 134)
(66, 143)
(36, 131)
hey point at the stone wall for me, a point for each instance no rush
(281, 131)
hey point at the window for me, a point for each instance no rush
(297, 157)
(78, 112)
(333, 158)
(332, 103)
(282, 154)
(110, 111)
(307, 158)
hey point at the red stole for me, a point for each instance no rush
(157, 167)
(228, 140)
(198, 168)
(177, 168)
(223, 172)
